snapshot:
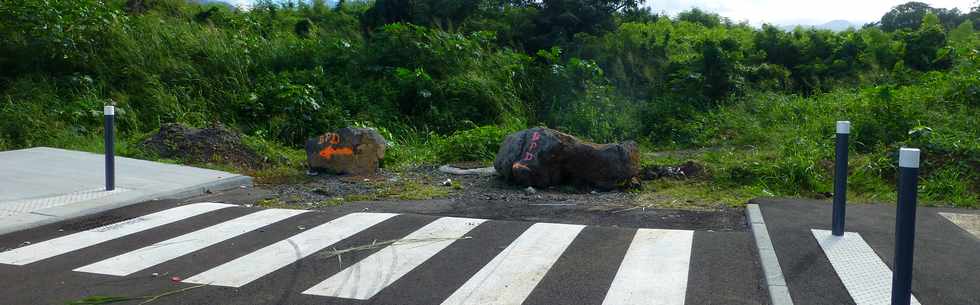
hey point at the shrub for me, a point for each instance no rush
(949, 185)
(442, 80)
(477, 144)
(574, 96)
(55, 35)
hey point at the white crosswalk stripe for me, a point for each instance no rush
(58, 246)
(152, 255)
(511, 276)
(248, 268)
(369, 276)
(654, 270)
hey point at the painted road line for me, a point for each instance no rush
(775, 282)
(158, 253)
(369, 276)
(511, 276)
(654, 270)
(255, 265)
(69, 243)
(867, 279)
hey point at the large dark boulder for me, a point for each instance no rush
(542, 157)
(357, 151)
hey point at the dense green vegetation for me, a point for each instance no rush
(446, 79)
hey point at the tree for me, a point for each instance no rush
(922, 47)
(559, 20)
(849, 53)
(778, 47)
(963, 38)
(387, 12)
(696, 15)
(906, 16)
(717, 66)
(444, 14)
(975, 15)
(641, 14)
(950, 18)
(882, 50)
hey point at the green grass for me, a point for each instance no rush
(276, 203)
(695, 194)
(401, 190)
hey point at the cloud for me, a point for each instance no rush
(796, 11)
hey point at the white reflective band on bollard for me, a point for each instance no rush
(908, 157)
(844, 127)
(110, 110)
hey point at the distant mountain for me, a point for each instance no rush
(836, 26)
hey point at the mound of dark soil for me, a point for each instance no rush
(215, 144)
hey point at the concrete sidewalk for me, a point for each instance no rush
(46, 185)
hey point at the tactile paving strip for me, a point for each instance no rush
(969, 222)
(35, 204)
(867, 279)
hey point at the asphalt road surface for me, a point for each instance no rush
(858, 268)
(275, 256)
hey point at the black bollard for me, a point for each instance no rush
(840, 178)
(908, 170)
(110, 151)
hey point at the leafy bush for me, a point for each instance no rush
(477, 144)
(444, 80)
(575, 97)
(54, 35)
(949, 185)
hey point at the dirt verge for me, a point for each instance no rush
(425, 190)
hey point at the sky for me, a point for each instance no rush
(785, 12)
(792, 12)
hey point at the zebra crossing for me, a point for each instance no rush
(512, 274)
(369, 276)
(157, 253)
(62, 245)
(654, 269)
(250, 267)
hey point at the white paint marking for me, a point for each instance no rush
(369, 276)
(867, 279)
(158, 253)
(255, 265)
(654, 270)
(69, 243)
(511, 276)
